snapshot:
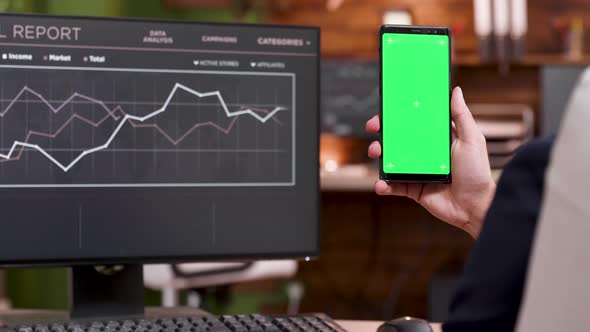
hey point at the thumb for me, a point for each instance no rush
(467, 129)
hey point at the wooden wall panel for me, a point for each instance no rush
(363, 18)
(484, 84)
(378, 257)
(360, 19)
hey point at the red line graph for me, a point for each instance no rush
(225, 130)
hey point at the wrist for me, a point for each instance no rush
(480, 210)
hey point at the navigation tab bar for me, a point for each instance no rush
(145, 35)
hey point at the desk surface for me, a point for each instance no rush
(370, 326)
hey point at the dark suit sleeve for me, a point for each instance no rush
(489, 292)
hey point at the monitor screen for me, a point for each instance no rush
(145, 141)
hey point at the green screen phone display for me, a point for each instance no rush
(416, 119)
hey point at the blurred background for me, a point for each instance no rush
(381, 257)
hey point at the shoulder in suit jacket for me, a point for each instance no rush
(489, 292)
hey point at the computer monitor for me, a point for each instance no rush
(142, 141)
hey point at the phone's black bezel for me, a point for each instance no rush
(406, 177)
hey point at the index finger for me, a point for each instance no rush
(465, 125)
(373, 125)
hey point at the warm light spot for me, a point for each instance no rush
(331, 165)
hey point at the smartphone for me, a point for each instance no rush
(415, 112)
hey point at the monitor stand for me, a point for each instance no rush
(106, 292)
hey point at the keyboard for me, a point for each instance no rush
(227, 323)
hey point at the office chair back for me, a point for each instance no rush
(557, 295)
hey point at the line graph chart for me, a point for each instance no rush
(85, 127)
(126, 117)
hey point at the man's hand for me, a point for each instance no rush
(464, 202)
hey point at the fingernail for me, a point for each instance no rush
(461, 97)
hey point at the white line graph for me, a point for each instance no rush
(124, 120)
(62, 105)
(153, 147)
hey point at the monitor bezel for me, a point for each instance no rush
(174, 259)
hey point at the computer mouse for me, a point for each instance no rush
(405, 324)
